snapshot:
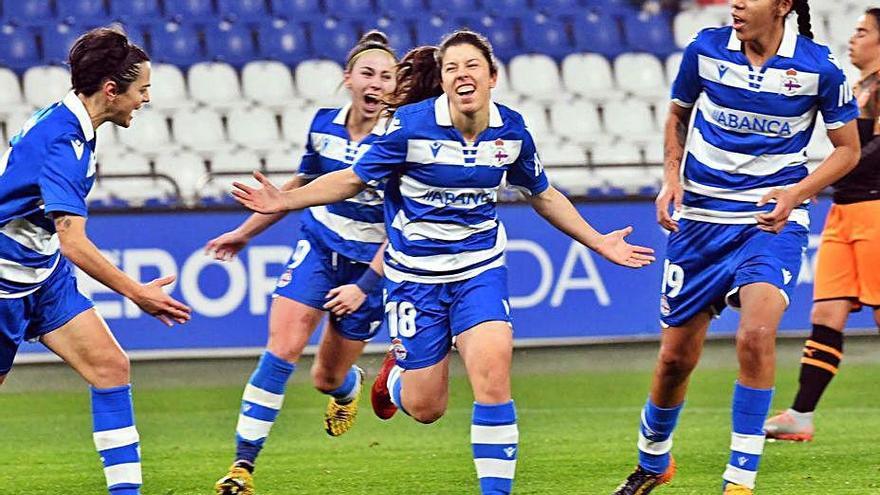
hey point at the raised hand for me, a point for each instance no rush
(615, 249)
(154, 301)
(225, 246)
(266, 199)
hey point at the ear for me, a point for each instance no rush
(784, 7)
(493, 79)
(346, 79)
(110, 89)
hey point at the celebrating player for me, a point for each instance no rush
(740, 228)
(46, 175)
(847, 274)
(444, 156)
(329, 269)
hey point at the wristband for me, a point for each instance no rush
(369, 280)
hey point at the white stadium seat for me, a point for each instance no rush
(148, 133)
(503, 93)
(14, 121)
(653, 150)
(320, 81)
(688, 23)
(138, 191)
(535, 76)
(588, 75)
(563, 155)
(577, 121)
(239, 161)
(123, 163)
(673, 62)
(200, 131)
(284, 160)
(187, 170)
(631, 179)
(255, 128)
(535, 116)
(295, 123)
(11, 100)
(640, 74)
(630, 120)
(574, 181)
(168, 88)
(268, 83)
(44, 85)
(215, 84)
(615, 154)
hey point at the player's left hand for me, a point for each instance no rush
(774, 221)
(615, 249)
(344, 300)
(266, 199)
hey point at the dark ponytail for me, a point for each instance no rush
(371, 40)
(418, 77)
(802, 9)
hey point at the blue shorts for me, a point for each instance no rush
(707, 263)
(310, 274)
(423, 319)
(55, 303)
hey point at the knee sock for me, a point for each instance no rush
(260, 405)
(750, 408)
(116, 439)
(495, 439)
(655, 436)
(822, 355)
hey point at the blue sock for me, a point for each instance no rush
(395, 385)
(348, 390)
(116, 439)
(260, 404)
(495, 439)
(750, 408)
(655, 436)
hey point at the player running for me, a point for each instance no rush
(848, 269)
(329, 269)
(46, 175)
(741, 195)
(444, 155)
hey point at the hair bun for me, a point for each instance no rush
(374, 36)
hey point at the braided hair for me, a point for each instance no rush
(802, 9)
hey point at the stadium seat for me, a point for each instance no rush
(588, 75)
(44, 85)
(398, 31)
(283, 41)
(409, 9)
(535, 116)
(641, 75)
(18, 48)
(201, 131)
(597, 34)
(333, 40)
(503, 93)
(653, 150)
(673, 62)
(176, 44)
(268, 83)
(349, 9)
(254, 128)
(137, 193)
(243, 10)
(107, 138)
(631, 180)
(517, 8)
(577, 121)
(661, 111)
(284, 160)
(450, 8)
(535, 76)
(430, 29)
(546, 35)
(215, 84)
(295, 124)
(574, 181)
(187, 170)
(241, 161)
(82, 11)
(135, 11)
(501, 32)
(319, 80)
(630, 120)
(189, 11)
(148, 134)
(126, 163)
(554, 7)
(168, 89)
(11, 100)
(230, 43)
(57, 40)
(615, 153)
(650, 33)
(688, 23)
(28, 12)
(563, 155)
(15, 120)
(297, 10)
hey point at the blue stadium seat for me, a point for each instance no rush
(176, 44)
(284, 42)
(429, 30)
(547, 35)
(57, 41)
(617, 8)
(201, 11)
(509, 8)
(558, 7)
(297, 10)
(230, 43)
(243, 10)
(599, 34)
(91, 11)
(349, 9)
(141, 11)
(18, 49)
(399, 32)
(409, 9)
(651, 34)
(333, 40)
(457, 7)
(28, 12)
(501, 31)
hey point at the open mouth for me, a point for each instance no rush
(465, 90)
(738, 22)
(372, 101)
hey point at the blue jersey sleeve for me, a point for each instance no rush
(310, 164)
(64, 182)
(836, 100)
(386, 155)
(687, 86)
(527, 172)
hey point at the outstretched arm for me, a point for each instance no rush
(329, 188)
(558, 210)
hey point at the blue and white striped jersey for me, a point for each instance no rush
(49, 167)
(441, 191)
(353, 228)
(752, 126)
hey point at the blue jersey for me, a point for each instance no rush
(441, 191)
(353, 228)
(752, 127)
(49, 167)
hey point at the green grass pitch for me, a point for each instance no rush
(578, 411)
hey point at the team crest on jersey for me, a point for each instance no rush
(790, 83)
(398, 349)
(499, 153)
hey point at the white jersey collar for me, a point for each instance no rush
(441, 112)
(75, 105)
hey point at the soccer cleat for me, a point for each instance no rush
(339, 418)
(641, 482)
(238, 481)
(784, 426)
(380, 396)
(734, 489)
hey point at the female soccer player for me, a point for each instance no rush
(444, 158)
(848, 269)
(46, 175)
(336, 245)
(740, 227)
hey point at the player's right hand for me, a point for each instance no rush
(266, 199)
(671, 193)
(225, 246)
(154, 301)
